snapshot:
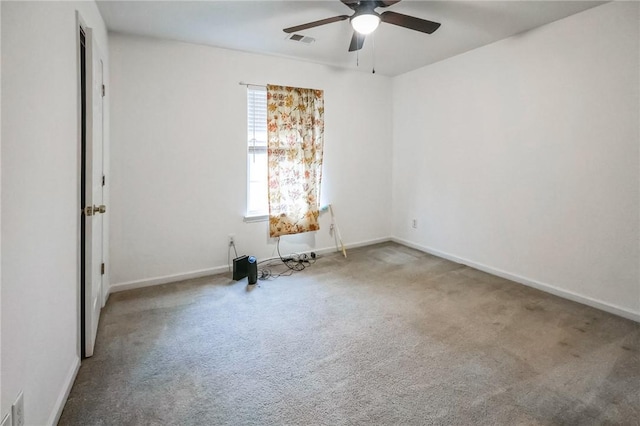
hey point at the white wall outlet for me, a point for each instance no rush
(414, 223)
(7, 420)
(232, 239)
(17, 410)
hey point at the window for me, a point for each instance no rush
(257, 196)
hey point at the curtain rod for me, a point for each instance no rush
(242, 83)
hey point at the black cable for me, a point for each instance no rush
(266, 272)
(294, 262)
(291, 262)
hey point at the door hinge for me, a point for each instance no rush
(103, 180)
(102, 269)
(104, 90)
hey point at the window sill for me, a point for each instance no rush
(257, 218)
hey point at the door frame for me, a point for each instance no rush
(81, 28)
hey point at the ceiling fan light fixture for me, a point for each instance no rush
(365, 23)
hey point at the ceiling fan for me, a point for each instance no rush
(365, 20)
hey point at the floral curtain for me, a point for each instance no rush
(295, 126)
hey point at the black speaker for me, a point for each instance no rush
(240, 267)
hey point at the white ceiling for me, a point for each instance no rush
(256, 26)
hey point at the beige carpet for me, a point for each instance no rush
(388, 336)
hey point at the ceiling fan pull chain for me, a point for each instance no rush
(373, 53)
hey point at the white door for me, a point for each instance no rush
(94, 207)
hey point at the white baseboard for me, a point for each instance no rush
(147, 282)
(566, 294)
(352, 246)
(64, 394)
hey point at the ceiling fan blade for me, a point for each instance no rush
(410, 22)
(357, 41)
(315, 24)
(386, 3)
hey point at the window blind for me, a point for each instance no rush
(257, 117)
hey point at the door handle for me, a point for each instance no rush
(92, 210)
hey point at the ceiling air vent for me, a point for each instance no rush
(300, 38)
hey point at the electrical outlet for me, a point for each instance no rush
(17, 410)
(414, 223)
(7, 420)
(232, 239)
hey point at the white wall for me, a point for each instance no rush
(179, 156)
(40, 202)
(521, 157)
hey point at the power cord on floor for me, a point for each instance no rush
(294, 262)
